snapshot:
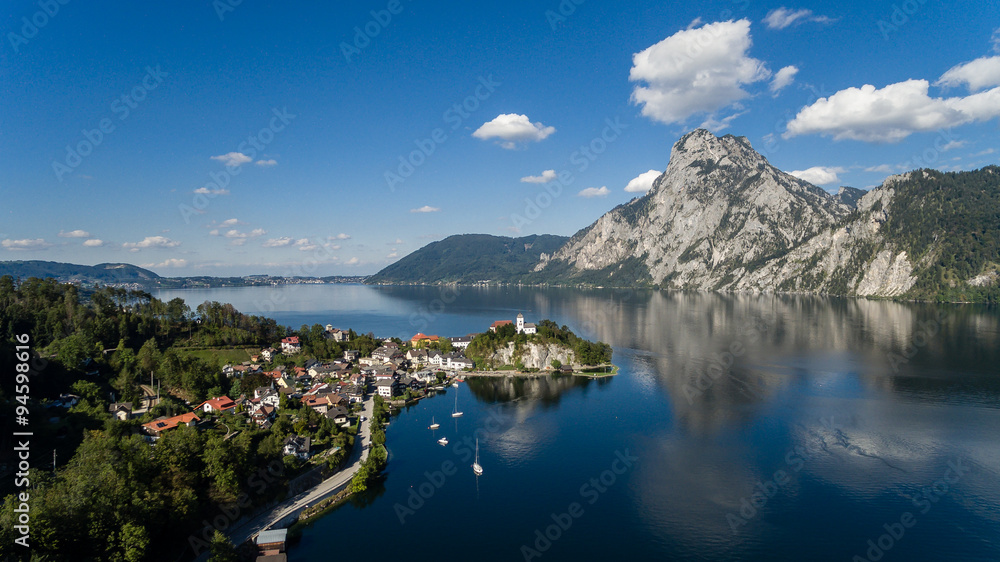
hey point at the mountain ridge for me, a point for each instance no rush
(722, 218)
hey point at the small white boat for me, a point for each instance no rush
(443, 441)
(455, 384)
(434, 424)
(476, 467)
(456, 413)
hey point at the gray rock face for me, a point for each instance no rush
(722, 218)
(533, 355)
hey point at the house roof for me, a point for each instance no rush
(422, 336)
(164, 424)
(220, 403)
(272, 536)
(499, 323)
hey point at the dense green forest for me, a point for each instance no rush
(586, 352)
(949, 224)
(113, 496)
(470, 258)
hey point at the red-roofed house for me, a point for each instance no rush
(291, 345)
(222, 404)
(415, 340)
(158, 426)
(499, 324)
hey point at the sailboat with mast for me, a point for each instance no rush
(456, 413)
(476, 467)
(434, 424)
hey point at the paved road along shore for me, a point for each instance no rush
(293, 506)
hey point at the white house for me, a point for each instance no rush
(297, 446)
(291, 345)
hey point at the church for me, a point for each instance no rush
(523, 328)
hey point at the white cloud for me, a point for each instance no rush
(513, 128)
(279, 242)
(151, 242)
(268, 163)
(233, 158)
(392, 255)
(783, 78)
(168, 263)
(595, 192)
(881, 168)
(785, 17)
(425, 209)
(819, 175)
(343, 236)
(892, 113)
(716, 125)
(257, 232)
(353, 261)
(399, 241)
(207, 191)
(229, 222)
(234, 234)
(213, 232)
(953, 145)
(546, 177)
(238, 242)
(995, 40)
(978, 74)
(25, 244)
(985, 152)
(643, 182)
(93, 243)
(74, 234)
(700, 70)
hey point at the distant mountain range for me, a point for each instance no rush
(722, 218)
(104, 273)
(125, 275)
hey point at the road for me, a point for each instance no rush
(292, 505)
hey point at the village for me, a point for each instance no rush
(397, 371)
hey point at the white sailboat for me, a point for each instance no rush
(456, 413)
(443, 441)
(434, 424)
(476, 467)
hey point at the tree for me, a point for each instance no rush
(222, 548)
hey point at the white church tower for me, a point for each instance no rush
(520, 323)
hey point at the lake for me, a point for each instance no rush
(740, 427)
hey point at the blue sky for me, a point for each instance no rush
(271, 139)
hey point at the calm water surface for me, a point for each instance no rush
(764, 428)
